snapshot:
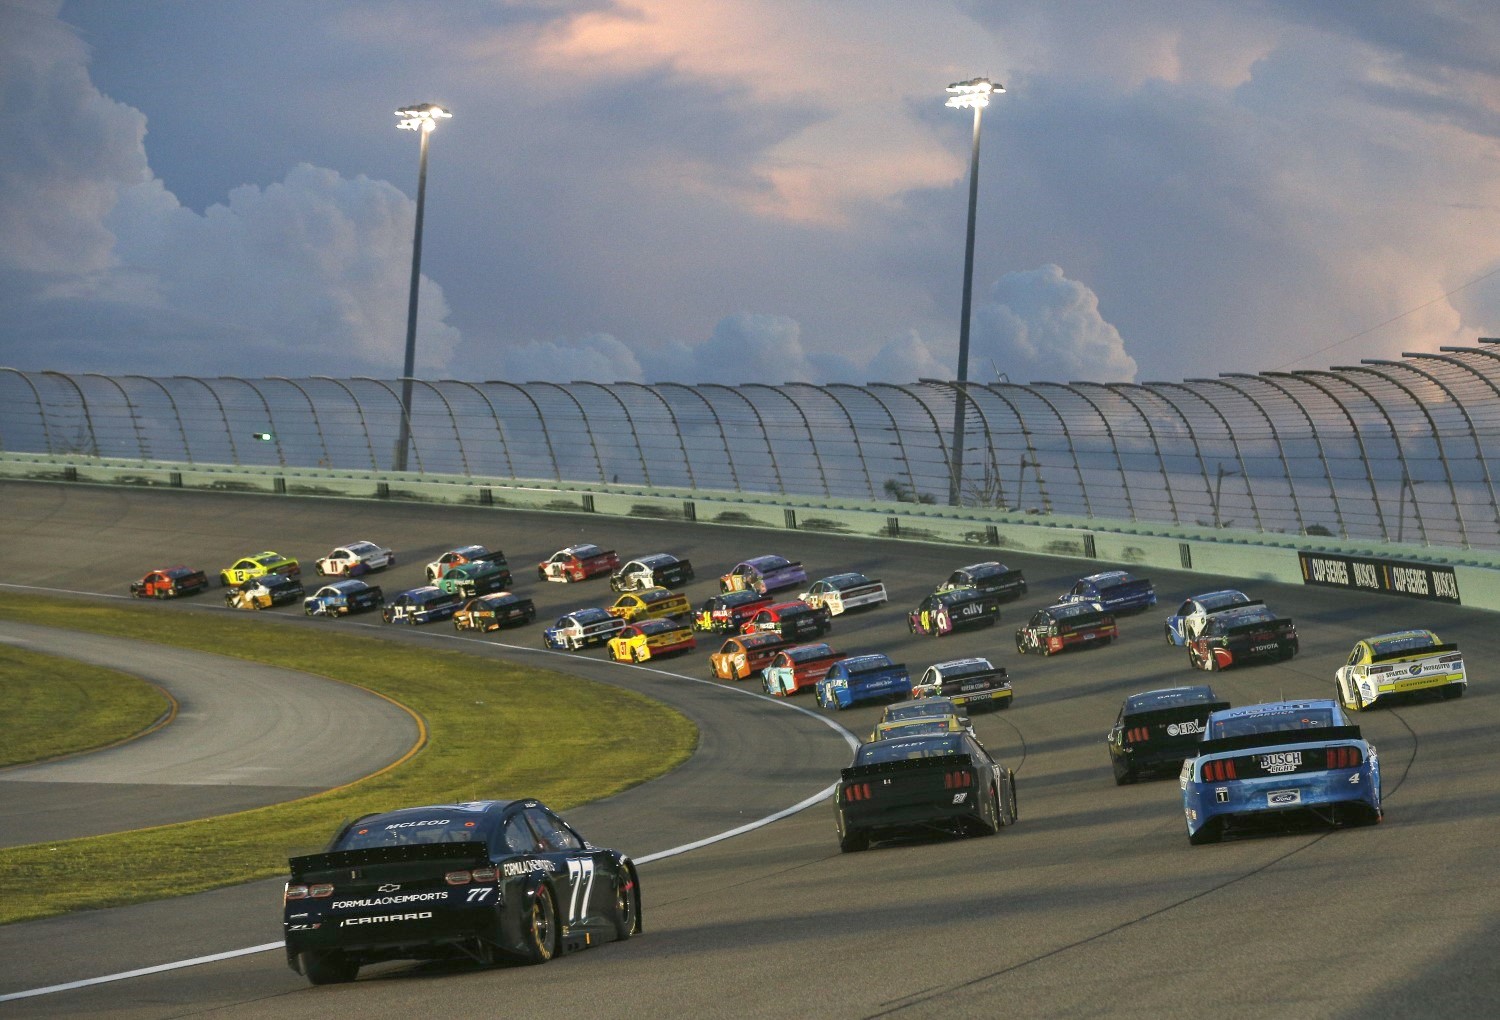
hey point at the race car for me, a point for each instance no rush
(577, 563)
(872, 677)
(924, 708)
(477, 577)
(973, 682)
(1156, 730)
(1399, 664)
(943, 612)
(258, 565)
(843, 592)
(794, 620)
(493, 611)
(581, 629)
(764, 574)
(355, 560)
(264, 592)
(1265, 766)
(465, 554)
(651, 604)
(1114, 591)
(484, 880)
(798, 667)
(740, 657)
(651, 639)
(342, 598)
(947, 782)
(1188, 621)
(1240, 633)
(1066, 625)
(426, 604)
(919, 727)
(169, 583)
(659, 570)
(726, 614)
(991, 577)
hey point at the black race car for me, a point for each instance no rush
(1156, 730)
(991, 577)
(915, 785)
(1240, 634)
(487, 880)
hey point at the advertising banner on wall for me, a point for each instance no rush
(1384, 577)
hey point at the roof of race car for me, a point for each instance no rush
(654, 627)
(959, 667)
(898, 748)
(856, 663)
(274, 581)
(652, 561)
(468, 550)
(1236, 615)
(729, 600)
(1064, 610)
(349, 586)
(756, 639)
(267, 558)
(1169, 697)
(963, 593)
(499, 598)
(426, 815)
(1219, 599)
(1272, 708)
(781, 609)
(806, 653)
(177, 572)
(920, 726)
(593, 614)
(986, 569)
(1402, 641)
(848, 580)
(474, 568)
(764, 563)
(426, 593)
(920, 707)
(583, 552)
(1108, 578)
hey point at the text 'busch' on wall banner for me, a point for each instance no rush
(1384, 577)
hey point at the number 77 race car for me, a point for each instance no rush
(484, 880)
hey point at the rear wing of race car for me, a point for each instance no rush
(936, 763)
(1415, 653)
(1081, 621)
(1313, 735)
(337, 862)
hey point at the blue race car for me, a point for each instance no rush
(1113, 591)
(342, 598)
(1264, 766)
(863, 678)
(422, 605)
(1187, 622)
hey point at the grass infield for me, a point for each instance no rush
(493, 730)
(55, 707)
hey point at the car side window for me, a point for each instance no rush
(552, 831)
(518, 838)
(1354, 656)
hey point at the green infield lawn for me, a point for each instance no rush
(565, 740)
(57, 706)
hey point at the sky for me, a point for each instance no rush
(746, 190)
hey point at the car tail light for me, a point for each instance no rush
(485, 874)
(1137, 734)
(1344, 757)
(957, 780)
(1455, 657)
(856, 791)
(458, 878)
(1377, 670)
(1219, 770)
(305, 892)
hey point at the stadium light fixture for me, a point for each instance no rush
(421, 118)
(964, 95)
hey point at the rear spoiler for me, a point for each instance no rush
(940, 761)
(334, 860)
(1084, 620)
(1414, 653)
(1246, 628)
(1316, 734)
(868, 670)
(1174, 714)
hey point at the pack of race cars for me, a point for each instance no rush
(924, 771)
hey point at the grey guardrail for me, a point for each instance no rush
(1453, 575)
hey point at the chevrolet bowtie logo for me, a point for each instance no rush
(389, 887)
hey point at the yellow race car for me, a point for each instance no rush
(258, 565)
(652, 604)
(651, 639)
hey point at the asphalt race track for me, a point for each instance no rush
(1093, 905)
(244, 735)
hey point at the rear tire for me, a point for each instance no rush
(542, 930)
(853, 841)
(329, 968)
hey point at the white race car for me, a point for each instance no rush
(355, 559)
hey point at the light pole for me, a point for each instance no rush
(972, 94)
(421, 118)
